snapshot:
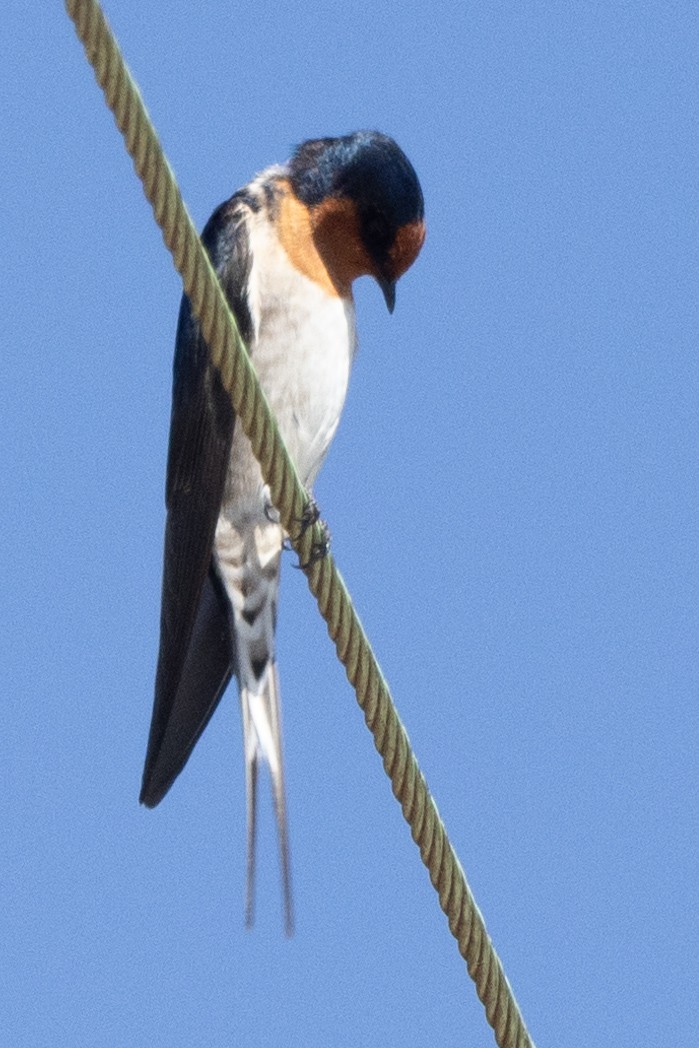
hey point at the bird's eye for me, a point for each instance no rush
(375, 225)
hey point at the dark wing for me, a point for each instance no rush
(196, 658)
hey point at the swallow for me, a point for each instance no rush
(286, 248)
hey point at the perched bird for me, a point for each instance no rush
(286, 249)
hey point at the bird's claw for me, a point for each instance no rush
(309, 517)
(319, 549)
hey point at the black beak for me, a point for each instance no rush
(389, 292)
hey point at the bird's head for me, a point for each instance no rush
(366, 206)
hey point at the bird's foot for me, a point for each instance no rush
(309, 517)
(320, 548)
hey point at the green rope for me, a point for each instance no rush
(252, 410)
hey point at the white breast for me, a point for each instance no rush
(302, 349)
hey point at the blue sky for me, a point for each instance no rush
(513, 500)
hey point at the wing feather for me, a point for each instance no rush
(196, 657)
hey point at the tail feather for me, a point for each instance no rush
(251, 770)
(263, 739)
(248, 562)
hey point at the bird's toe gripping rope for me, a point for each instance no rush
(320, 546)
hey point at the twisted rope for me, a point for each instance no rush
(252, 410)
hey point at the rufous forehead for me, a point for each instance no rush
(406, 246)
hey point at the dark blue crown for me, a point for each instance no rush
(367, 166)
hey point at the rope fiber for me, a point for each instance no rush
(325, 582)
